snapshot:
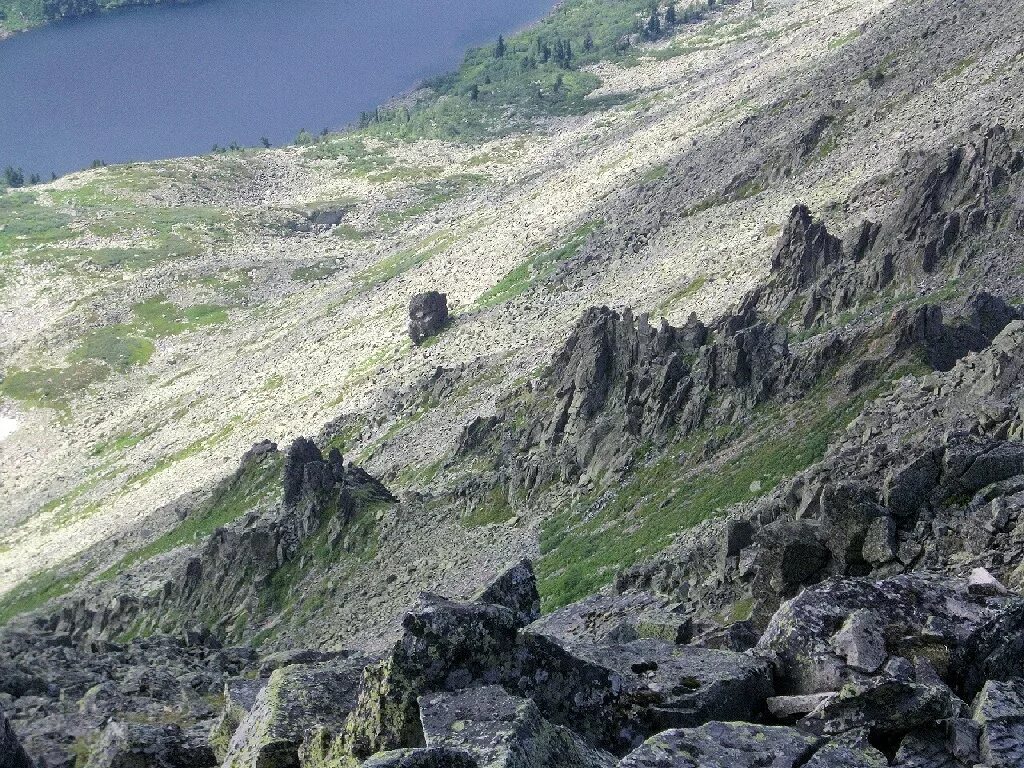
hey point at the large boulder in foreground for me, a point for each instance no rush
(428, 315)
(617, 695)
(847, 630)
(503, 731)
(294, 699)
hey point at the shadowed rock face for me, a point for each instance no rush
(12, 755)
(428, 315)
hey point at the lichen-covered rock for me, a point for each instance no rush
(431, 757)
(428, 315)
(724, 745)
(131, 745)
(999, 710)
(502, 731)
(606, 619)
(885, 706)
(995, 651)
(851, 750)
(617, 695)
(239, 698)
(949, 744)
(923, 615)
(516, 589)
(444, 646)
(294, 699)
(12, 754)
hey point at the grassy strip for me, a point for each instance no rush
(257, 484)
(38, 590)
(536, 267)
(580, 554)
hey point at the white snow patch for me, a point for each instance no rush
(8, 427)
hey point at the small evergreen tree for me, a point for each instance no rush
(14, 177)
(670, 13)
(264, 142)
(653, 25)
(500, 48)
(588, 43)
(34, 178)
(474, 92)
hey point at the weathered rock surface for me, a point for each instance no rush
(502, 731)
(129, 745)
(12, 754)
(428, 315)
(724, 745)
(294, 699)
(999, 710)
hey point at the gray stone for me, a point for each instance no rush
(516, 589)
(295, 698)
(981, 582)
(999, 710)
(421, 758)
(884, 706)
(12, 754)
(134, 745)
(786, 707)
(724, 745)
(850, 750)
(502, 731)
(861, 642)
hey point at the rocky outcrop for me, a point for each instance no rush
(12, 754)
(126, 745)
(428, 315)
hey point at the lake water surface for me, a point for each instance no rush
(174, 80)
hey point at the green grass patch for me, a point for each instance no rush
(433, 194)
(164, 462)
(37, 590)
(581, 553)
(313, 273)
(849, 37)
(257, 484)
(25, 223)
(115, 345)
(690, 289)
(157, 317)
(494, 510)
(52, 387)
(655, 174)
(537, 267)
(402, 261)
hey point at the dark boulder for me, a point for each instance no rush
(434, 757)
(428, 315)
(12, 754)
(999, 710)
(516, 589)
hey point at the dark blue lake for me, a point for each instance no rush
(166, 81)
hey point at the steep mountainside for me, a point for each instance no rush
(734, 356)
